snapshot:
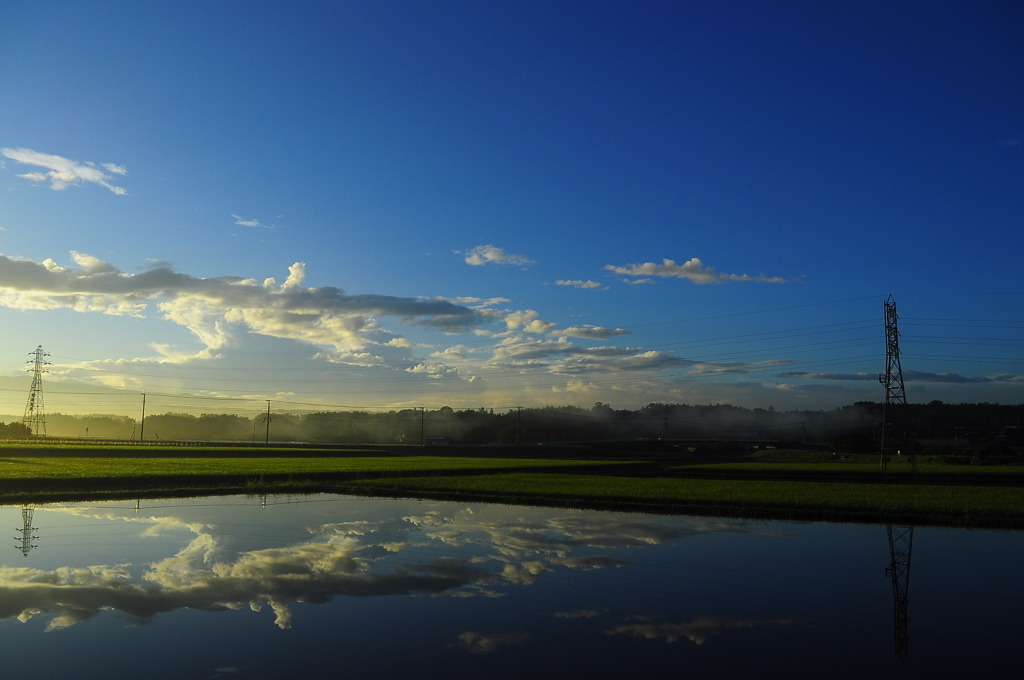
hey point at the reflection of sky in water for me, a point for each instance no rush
(396, 584)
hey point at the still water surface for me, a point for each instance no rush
(330, 586)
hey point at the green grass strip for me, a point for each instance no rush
(894, 467)
(957, 505)
(87, 468)
(522, 480)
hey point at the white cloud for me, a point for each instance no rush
(593, 360)
(296, 275)
(560, 356)
(213, 308)
(361, 359)
(527, 321)
(576, 283)
(692, 270)
(228, 313)
(476, 302)
(90, 264)
(61, 172)
(590, 332)
(515, 349)
(245, 222)
(452, 353)
(433, 370)
(530, 350)
(489, 254)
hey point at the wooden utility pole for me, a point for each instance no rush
(268, 422)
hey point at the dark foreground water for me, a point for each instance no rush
(337, 586)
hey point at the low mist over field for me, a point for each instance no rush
(853, 428)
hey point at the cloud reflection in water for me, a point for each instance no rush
(475, 551)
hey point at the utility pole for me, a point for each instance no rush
(142, 423)
(268, 422)
(892, 379)
(35, 414)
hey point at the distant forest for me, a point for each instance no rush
(854, 428)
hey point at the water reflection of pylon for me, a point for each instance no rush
(901, 541)
(26, 537)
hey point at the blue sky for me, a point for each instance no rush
(509, 204)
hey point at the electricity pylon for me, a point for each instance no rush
(26, 537)
(901, 541)
(892, 379)
(35, 414)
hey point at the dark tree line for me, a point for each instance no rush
(14, 430)
(850, 428)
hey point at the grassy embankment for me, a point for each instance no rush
(953, 495)
(944, 504)
(39, 474)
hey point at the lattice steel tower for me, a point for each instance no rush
(35, 414)
(892, 380)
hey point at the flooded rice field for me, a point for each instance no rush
(326, 585)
